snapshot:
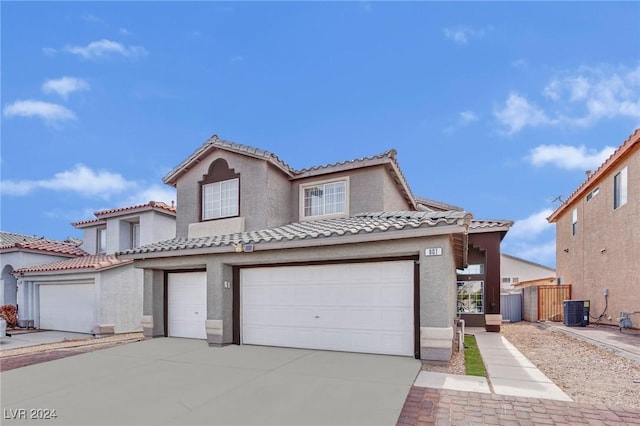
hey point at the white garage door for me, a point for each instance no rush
(360, 307)
(68, 307)
(187, 304)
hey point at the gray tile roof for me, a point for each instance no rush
(7, 238)
(215, 142)
(489, 225)
(363, 223)
(427, 204)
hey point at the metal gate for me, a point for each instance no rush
(511, 306)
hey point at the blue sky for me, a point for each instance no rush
(498, 107)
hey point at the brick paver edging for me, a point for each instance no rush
(426, 406)
(17, 361)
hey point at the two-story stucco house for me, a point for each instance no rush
(96, 293)
(338, 257)
(598, 236)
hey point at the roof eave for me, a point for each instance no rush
(621, 153)
(460, 227)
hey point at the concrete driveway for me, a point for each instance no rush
(184, 382)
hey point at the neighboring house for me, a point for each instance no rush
(21, 251)
(97, 293)
(598, 236)
(514, 270)
(339, 257)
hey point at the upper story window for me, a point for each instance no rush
(135, 235)
(220, 192)
(593, 193)
(328, 198)
(620, 189)
(101, 240)
(574, 221)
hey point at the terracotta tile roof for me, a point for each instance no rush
(12, 242)
(215, 142)
(95, 262)
(363, 223)
(632, 142)
(104, 214)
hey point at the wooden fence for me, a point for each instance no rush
(544, 302)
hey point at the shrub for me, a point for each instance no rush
(10, 314)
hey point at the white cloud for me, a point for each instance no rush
(166, 194)
(532, 226)
(50, 113)
(519, 113)
(462, 34)
(580, 98)
(569, 157)
(49, 51)
(81, 179)
(467, 117)
(103, 48)
(124, 31)
(65, 85)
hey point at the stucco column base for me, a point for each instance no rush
(102, 330)
(436, 344)
(147, 326)
(493, 322)
(214, 332)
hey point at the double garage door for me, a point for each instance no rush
(354, 307)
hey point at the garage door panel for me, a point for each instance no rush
(348, 307)
(187, 305)
(68, 307)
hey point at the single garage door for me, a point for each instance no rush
(68, 307)
(187, 304)
(355, 307)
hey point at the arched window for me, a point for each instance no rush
(220, 192)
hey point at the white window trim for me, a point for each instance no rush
(624, 188)
(133, 227)
(237, 207)
(574, 221)
(99, 233)
(301, 215)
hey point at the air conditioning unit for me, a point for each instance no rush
(576, 313)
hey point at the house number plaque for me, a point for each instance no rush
(435, 251)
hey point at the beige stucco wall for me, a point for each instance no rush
(371, 189)
(437, 276)
(604, 253)
(120, 298)
(524, 271)
(264, 193)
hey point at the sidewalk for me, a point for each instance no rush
(509, 373)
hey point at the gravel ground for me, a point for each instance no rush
(585, 372)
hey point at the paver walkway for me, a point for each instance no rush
(427, 406)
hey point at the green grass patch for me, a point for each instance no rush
(472, 358)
